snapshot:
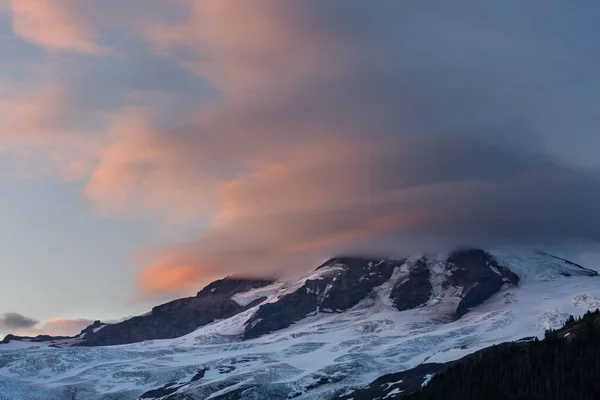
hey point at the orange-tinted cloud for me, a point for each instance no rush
(37, 127)
(145, 172)
(56, 25)
(32, 115)
(238, 45)
(179, 171)
(279, 218)
(182, 278)
(56, 327)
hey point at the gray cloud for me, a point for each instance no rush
(13, 321)
(463, 102)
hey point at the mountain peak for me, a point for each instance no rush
(231, 285)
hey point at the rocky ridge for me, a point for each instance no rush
(455, 283)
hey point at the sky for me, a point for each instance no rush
(148, 147)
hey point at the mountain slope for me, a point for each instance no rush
(565, 365)
(322, 354)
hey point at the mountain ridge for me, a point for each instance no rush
(336, 285)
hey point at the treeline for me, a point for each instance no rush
(565, 365)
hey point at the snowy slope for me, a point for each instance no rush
(322, 355)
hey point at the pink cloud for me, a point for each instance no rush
(56, 25)
(56, 327)
(37, 129)
(280, 218)
(145, 172)
(239, 45)
(32, 114)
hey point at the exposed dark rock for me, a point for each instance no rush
(10, 337)
(507, 275)
(400, 382)
(229, 286)
(199, 375)
(350, 280)
(179, 317)
(166, 390)
(414, 290)
(90, 329)
(48, 338)
(235, 394)
(356, 282)
(480, 276)
(37, 339)
(290, 308)
(474, 271)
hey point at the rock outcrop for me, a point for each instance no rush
(179, 317)
(337, 285)
(479, 275)
(472, 275)
(415, 290)
(54, 340)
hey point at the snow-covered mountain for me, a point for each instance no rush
(348, 322)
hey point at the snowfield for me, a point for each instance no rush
(322, 355)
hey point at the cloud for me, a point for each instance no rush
(57, 25)
(58, 327)
(370, 134)
(13, 321)
(84, 27)
(281, 220)
(41, 129)
(290, 132)
(144, 172)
